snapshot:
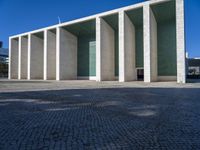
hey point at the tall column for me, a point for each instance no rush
(13, 58)
(9, 65)
(49, 55)
(127, 63)
(150, 45)
(98, 49)
(154, 47)
(29, 58)
(37, 55)
(66, 68)
(105, 63)
(45, 55)
(57, 53)
(23, 57)
(180, 39)
(19, 58)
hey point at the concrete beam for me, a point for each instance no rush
(36, 57)
(150, 45)
(23, 57)
(49, 55)
(127, 63)
(105, 50)
(13, 58)
(66, 58)
(180, 39)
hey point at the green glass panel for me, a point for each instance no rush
(139, 47)
(86, 55)
(167, 49)
(116, 54)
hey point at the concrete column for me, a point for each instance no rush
(24, 57)
(57, 53)
(49, 55)
(150, 45)
(19, 58)
(127, 64)
(66, 59)
(29, 58)
(13, 58)
(9, 64)
(180, 39)
(105, 67)
(37, 55)
(45, 55)
(154, 47)
(98, 49)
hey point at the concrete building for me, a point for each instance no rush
(4, 54)
(193, 66)
(3, 61)
(142, 40)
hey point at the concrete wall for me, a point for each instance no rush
(180, 39)
(105, 51)
(127, 63)
(49, 55)
(150, 45)
(24, 58)
(14, 60)
(36, 57)
(66, 55)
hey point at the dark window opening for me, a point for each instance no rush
(140, 74)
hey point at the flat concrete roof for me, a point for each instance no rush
(138, 5)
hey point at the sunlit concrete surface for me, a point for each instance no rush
(98, 115)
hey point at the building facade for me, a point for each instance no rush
(3, 61)
(193, 66)
(142, 41)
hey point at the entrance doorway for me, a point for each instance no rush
(140, 74)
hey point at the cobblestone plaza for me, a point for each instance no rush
(99, 115)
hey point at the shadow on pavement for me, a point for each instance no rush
(107, 118)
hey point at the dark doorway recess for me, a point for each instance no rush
(140, 74)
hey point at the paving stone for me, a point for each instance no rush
(100, 117)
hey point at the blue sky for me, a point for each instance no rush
(18, 16)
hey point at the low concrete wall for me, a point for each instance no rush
(166, 78)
